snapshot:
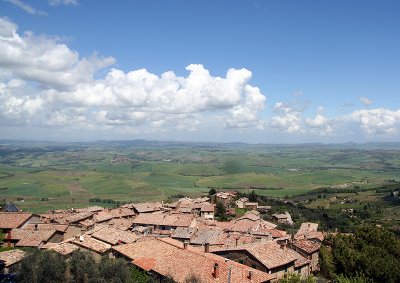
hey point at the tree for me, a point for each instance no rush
(296, 278)
(253, 196)
(43, 267)
(212, 192)
(326, 263)
(138, 276)
(83, 267)
(114, 270)
(220, 211)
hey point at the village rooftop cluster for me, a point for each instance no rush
(172, 240)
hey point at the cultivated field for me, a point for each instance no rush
(42, 176)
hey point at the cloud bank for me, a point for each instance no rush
(44, 84)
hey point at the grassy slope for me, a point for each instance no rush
(71, 177)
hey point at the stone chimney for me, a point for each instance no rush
(36, 227)
(283, 245)
(207, 247)
(237, 242)
(216, 270)
(185, 245)
(250, 275)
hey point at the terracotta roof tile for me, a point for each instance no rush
(92, 244)
(269, 254)
(169, 260)
(9, 220)
(146, 207)
(12, 256)
(121, 223)
(73, 218)
(43, 226)
(61, 248)
(307, 245)
(113, 236)
(29, 238)
(173, 220)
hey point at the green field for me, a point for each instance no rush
(44, 176)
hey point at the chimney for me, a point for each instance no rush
(207, 248)
(185, 245)
(237, 242)
(81, 238)
(9, 239)
(250, 275)
(36, 227)
(119, 242)
(216, 270)
(283, 245)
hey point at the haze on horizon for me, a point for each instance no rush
(226, 71)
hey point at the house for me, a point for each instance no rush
(240, 202)
(269, 257)
(207, 210)
(309, 231)
(64, 248)
(31, 238)
(11, 220)
(114, 236)
(73, 218)
(146, 207)
(263, 208)
(226, 198)
(96, 247)
(201, 237)
(249, 222)
(120, 223)
(308, 249)
(183, 234)
(166, 258)
(251, 205)
(284, 218)
(165, 221)
(11, 258)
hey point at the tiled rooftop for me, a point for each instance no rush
(73, 218)
(120, 223)
(42, 226)
(92, 244)
(174, 220)
(113, 236)
(61, 248)
(307, 245)
(165, 258)
(29, 238)
(269, 254)
(9, 220)
(12, 256)
(145, 207)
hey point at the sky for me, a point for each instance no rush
(256, 71)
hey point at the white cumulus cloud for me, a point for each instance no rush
(287, 118)
(377, 121)
(45, 83)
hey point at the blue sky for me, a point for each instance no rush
(301, 71)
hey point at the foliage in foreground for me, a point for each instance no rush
(48, 266)
(372, 253)
(295, 278)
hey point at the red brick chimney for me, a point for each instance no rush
(216, 270)
(9, 239)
